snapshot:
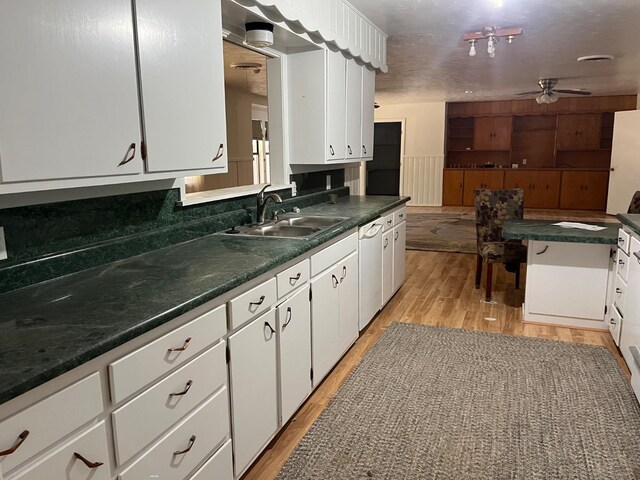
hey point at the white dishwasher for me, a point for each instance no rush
(370, 270)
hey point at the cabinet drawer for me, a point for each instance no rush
(143, 419)
(333, 254)
(252, 303)
(615, 324)
(50, 420)
(623, 241)
(292, 278)
(619, 295)
(623, 265)
(203, 430)
(399, 215)
(140, 368)
(218, 467)
(387, 221)
(63, 464)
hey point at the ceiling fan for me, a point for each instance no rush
(549, 94)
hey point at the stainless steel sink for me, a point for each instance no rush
(290, 226)
(310, 221)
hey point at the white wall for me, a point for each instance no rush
(424, 149)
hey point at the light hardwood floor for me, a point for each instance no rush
(439, 290)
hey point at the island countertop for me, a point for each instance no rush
(545, 230)
(54, 326)
(631, 220)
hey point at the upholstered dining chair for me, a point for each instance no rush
(493, 207)
(634, 206)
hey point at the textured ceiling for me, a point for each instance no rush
(429, 62)
(244, 80)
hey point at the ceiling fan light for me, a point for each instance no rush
(472, 50)
(553, 98)
(539, 99)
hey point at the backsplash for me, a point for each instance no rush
(50, 240)
(314, 182)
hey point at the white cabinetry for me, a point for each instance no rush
(554, 272)
(370, 270)
(394, 240)
(327, 108)
(254, 395)
(294, 352)
(182, 79)
(368, 105)
(630, 334)
(334, 307)
(399, 254)
(68, 92)
(387, 266)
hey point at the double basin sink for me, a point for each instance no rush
(290, 226)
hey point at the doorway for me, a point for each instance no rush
(383, 172)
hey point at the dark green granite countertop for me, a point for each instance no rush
(631, 220)
(544, 230)
(51, 327)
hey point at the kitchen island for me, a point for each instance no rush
(569, 272)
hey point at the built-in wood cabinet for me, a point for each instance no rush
(478, 179)
(584, 190)
(452, 187)
(541, 188)
(579, 132)
(492, 133)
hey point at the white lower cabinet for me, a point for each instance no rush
(219, 466)
(254, 388)
(180, 452)
(399, 252)
(84, 458)
(387, 266)
(294, 352)
(334, 314)
(630, 334)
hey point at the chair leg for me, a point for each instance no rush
(518, 277)
(478, 270)
(489, 279)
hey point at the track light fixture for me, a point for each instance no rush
(492, 35)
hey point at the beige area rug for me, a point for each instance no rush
(439, 403)
(441, 232)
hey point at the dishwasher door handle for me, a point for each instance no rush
(377, 227)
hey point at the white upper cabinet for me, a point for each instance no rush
(368, 105)
(335, 106)
(326, 109)
(354, 110)
(68, 91)
(182, 77)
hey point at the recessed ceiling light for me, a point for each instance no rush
(595, 58)
(468, 91)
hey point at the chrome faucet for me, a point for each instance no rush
(262, 201)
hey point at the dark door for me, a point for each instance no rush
(383, 172)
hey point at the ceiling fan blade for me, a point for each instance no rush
(533, 92)
(572, 91)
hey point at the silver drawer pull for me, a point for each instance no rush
(184, 346)
(219, 153)
(612, 321)
(187, 387)
(288, 319)
(192, 441)
(293, 280)
(619, 291)
(621, 262)
(543, 250)
(89, 464)
(21, 438)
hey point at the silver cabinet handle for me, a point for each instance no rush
(612, 321)
(184, 346)
(331, 151)
(364, 149)
(396, 236)
(288, 320)
(621, 262)
(129, 155)
(619, 291)
(259, 302)
(386, 242)
(344, 273)
(544, 250)
(268, 325)
(220, 152)
(295, 278)
(192, 440)
(334, 280)
(187, 387)
(349, 149)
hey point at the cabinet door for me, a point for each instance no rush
(477, 179)
(68, 91)
(387, 266)
(368, 102)
(399, 245)
(492, 133)
(452, 184)
(254, 396)
(584, 190)
(348, 325)
(354, 109)
(182, 76)
(554, 272)
(541, 189)
(579, 132)
(325, 313)
(294, 334)
(630, 332)
(336, 105)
